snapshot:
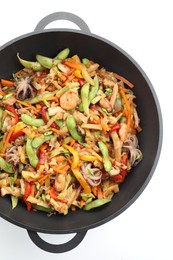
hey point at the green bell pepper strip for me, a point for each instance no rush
(96, 203)
(71, 126)
(32, 156)
(7, 167)
(32, 121)
(106, 161)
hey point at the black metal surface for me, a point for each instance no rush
(110, 56)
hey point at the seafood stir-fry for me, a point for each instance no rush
(68, 134)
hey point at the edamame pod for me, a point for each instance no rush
(71, 126)
(84, 97)
(34, 65)
(62, 54)
(106, 161)
(32, 121)
(47, 62)
(96, 203)
(7, 167)
(94, 89)
(39, 140)
(32, 156)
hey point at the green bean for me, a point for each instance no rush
(32, 121)
(7, 167)
(47, 62)
(32, 156)
(62, 54)
(1, 114)
(84, 97)
(106, 161)
(71, 126)
(39, 140)
(96, 203)
(35, 65)
(94, 89)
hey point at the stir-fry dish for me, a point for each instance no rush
(68, 134)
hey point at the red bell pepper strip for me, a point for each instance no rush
(44, 116)
(81, 82)
(16, 135)
(13, 111)
(41, 159)
(121, 176)
(115, 127)
(54, 195)
(27, 193)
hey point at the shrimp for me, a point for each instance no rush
(60, 182)
(69, 100)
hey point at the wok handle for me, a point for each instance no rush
(62, 16)
(75, 241)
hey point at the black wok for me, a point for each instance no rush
(49, 42)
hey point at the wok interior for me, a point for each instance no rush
(49, 43)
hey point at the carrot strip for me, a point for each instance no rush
(32, 190)
(7, 139)
(42, 179)
(99, 192)
(2, 92)
(74, 65)
(26, 104)
(7, 83)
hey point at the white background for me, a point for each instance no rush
(144, 30)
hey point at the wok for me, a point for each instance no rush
(48, 42)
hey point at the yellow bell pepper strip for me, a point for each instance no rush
(21, 152)
(75, 154)
(81, 180)
(87, 157)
